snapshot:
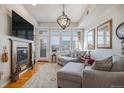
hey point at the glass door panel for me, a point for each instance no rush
(66, 43)
(43, 47)
(55, 41)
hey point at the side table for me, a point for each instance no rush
(53, 58)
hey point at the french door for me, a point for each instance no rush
(43, 45)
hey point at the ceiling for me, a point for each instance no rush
(95, 16)
(50, 12)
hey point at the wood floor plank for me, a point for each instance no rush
(26, 76)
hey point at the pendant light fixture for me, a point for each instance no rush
(63, 20)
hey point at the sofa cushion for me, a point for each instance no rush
(71, 71)
(73, 53)
(118, 64)
(103, 65)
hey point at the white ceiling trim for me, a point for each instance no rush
(50, 12)
(54, 24)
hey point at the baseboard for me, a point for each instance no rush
(6, 83)
(42, 60)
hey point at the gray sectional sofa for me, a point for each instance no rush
(70, 75)
(63, 60)
(72, 57)
(77, 75)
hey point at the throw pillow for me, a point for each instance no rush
(90, 61)
(82, 59)
(103, 65)
(81, 53)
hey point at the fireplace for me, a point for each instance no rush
(22, 57)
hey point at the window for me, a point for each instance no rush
(55, 41)
(59, 41)
(76, 40)
(44, 33)
(66, 42)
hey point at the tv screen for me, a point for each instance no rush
(21, 28)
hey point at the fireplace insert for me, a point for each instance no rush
(22, 56)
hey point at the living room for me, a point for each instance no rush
(85, 52)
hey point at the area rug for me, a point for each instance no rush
(46, 77)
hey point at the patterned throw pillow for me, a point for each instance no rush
(103, 65)
(81, 53)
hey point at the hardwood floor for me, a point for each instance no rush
(26, 76)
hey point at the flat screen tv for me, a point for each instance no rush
(21, 28)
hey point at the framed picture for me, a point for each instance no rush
(104, 35)
(91, 39)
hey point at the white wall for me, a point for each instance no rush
(5, 28)
(4, 25)
(116, 13)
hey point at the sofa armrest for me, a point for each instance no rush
(94, 79)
